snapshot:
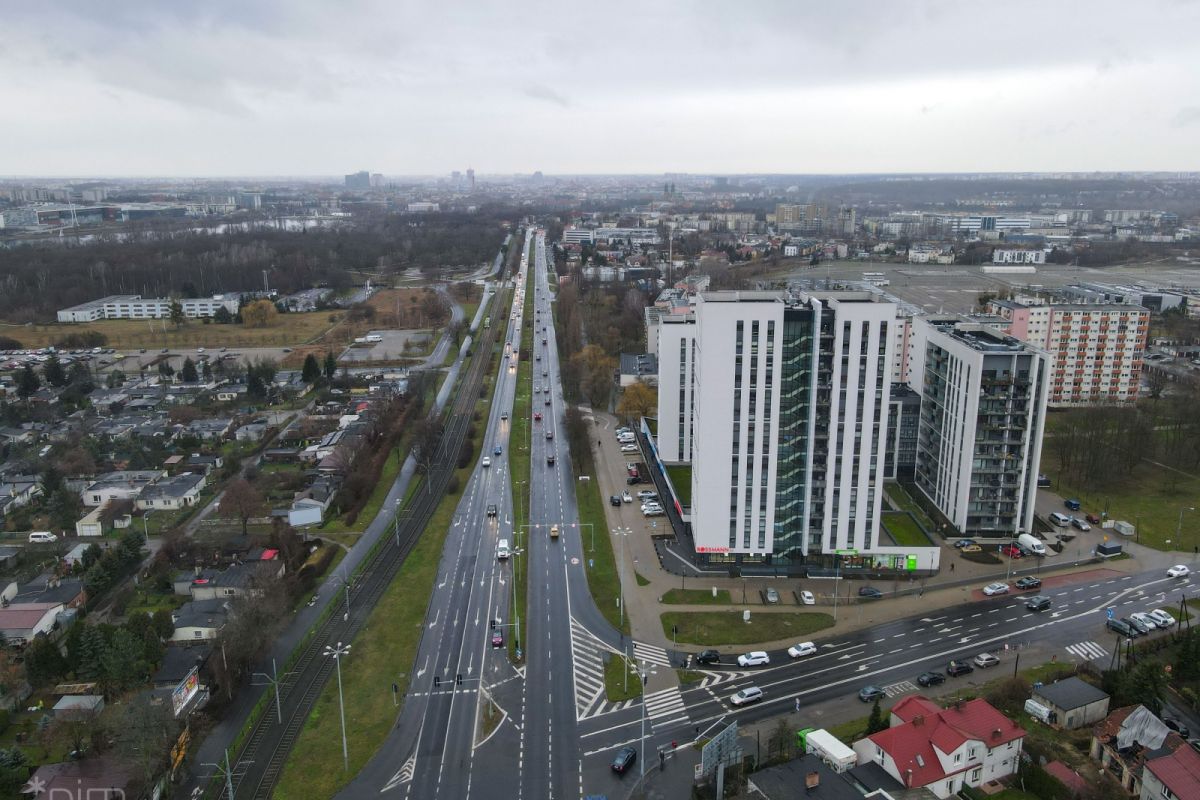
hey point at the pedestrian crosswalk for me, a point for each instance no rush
(651, 653)
(1088, 651)
(665, 708)
(587, 656)
(896, 689)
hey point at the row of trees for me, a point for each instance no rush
(37, 280)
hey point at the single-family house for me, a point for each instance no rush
(91, 523)
(21, 622)
(1073, 702)
(810, 776)
(18, 490)
(1129, 737)
(943, 749)
(251, 431)
(175, 493)
(178, 662)
(235, 581)
(1175, 776)
(210, 429)
(200, 462)
(122, 485)
(51, 589)
(198, 621)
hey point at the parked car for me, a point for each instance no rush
(993, 589)
(708, 657)
(772, 596)
(985, 660)
(1072, 504)
(1043, 481)
(870, 592)
(870, 693)
(1139, 626)
(1093, 519)
(614, 500)
(806, 597)
(626, 497)
(625, 759)
(956, 668)
(964, 542)
(1029, 582)
(931, 678)
(1082, 525)
(629, 448)
(1178, 571)
(972, 548)
(802, 649)
(1143, 618)
(758, 658)
(1012, 551)
(1176, 725)
(1162, 618)
(751, 694)
(646, 494)
(1121, 627)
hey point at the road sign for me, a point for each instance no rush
(721, 749)
(1110, 611)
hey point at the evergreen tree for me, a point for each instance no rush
(311, 373)
(115, 378)
(877, 721)
(43, 661)
(330, 366)
(188, 373)
(92, 646)
(54, 372)
(28, 382)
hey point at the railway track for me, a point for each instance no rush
(261, 760)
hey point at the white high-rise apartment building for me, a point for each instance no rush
(979, 440)
(676, 334)
(790, 417)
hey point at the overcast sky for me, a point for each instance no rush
(290, 87)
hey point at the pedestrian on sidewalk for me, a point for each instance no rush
(797, 705)
(952, 566)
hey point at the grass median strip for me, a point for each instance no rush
(604, 582)
(519, 443)
(711, 628)
(696, 597)
(618, 686)
(383, 649)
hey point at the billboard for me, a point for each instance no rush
(182, 694)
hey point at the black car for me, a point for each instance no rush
(1121, 627)
(708, 657)
(1176, 726)
(1039, 602)
(1139, 626)
(871, 592)
(931, 678)
(1029, 582)
(491, 509)
(626, 756)
(956, 668)
(615, 500)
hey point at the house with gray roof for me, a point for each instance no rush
(172, 493)
(210, 429)
(198, 621)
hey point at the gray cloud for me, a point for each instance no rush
(547, 94)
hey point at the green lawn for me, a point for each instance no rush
(616, 687)
(603, 580)
(711, 628)
(640, 580)
(681, 479)
(904, 530)
(903, 501)
(699, 597)
(1151, 498)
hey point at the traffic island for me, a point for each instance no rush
(713, 628)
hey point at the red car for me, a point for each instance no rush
(1093, 519)
(1012, 551)
(497, 639)
(537, 416)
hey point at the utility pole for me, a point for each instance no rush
(273, 681)
(337, 653)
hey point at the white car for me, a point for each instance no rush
(806, 597)
(646, 494)
(626, 497)
(802, 649)
(1161, 618)
(1179, 571)
(487, 461)
(985, 660)
(650, 507)
(751, 694)
(756, 659)
(1144, 618)
(995, 588)
(652, 512)
(629, 448)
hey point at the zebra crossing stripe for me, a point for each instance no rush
(1088, 651)
(651, 653)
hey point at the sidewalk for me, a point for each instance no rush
(957, 582)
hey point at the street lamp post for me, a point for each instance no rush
(643, 673)
(341, 578)
(337, 653)
(1179, 525)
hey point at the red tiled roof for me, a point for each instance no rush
(1179, 772)
(24, 615)
(911, 744)
(1067, 776)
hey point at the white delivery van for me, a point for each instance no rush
(502, 551)
(1031, 544)
(1061, 520)
(42, 537)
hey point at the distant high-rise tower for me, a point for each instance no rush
(471, 178)
(376, 180)
(359, 180)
